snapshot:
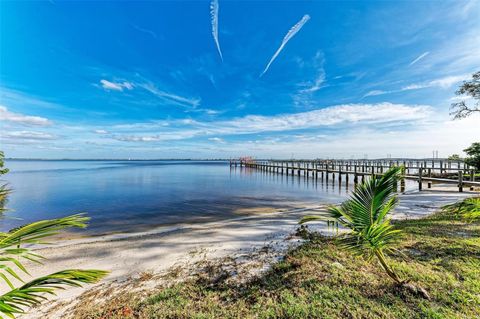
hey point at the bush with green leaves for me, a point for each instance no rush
(15, 249)
(468, 208)
(473, 153)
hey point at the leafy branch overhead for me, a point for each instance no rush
(471, 89)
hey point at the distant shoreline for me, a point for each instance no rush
(115, 159)
(218, 159)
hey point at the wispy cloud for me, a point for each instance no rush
(150, 87)
(214, 8)
(217, 140)
(444, 83)
(318, 82)
(174, 98)
(448, 81)
(6, 115)
(376, 92)
(290, 34)
(28, 135)
(347, 114)
(421, 56)
(147, 31)
(334, 115)
(116, 86)
(100, 131)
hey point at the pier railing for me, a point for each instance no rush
(423, 171)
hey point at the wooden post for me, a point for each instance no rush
(340, 175)
(460, 181)
(420, 171)
(402, 180)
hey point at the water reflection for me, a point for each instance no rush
(131, 195)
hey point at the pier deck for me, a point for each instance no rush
(423, 171)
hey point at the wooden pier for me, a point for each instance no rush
(425, 171)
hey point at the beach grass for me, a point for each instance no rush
(319, 280)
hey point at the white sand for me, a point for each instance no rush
(157, 250)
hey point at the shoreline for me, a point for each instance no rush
(128, 255)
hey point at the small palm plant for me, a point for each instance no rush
(15, 248)
(365, 214)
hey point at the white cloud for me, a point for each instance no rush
(211, 112)
(444, 83)
(448, 81)
(348, 114)
(152, 89)
(116, 86)
(421, 56)
(419, 142)
(6, 115)
(290, 34)
(28, 135)
(334, 115)
(100, 131)
(375, 92)
(176, 99)
(217, 139)
(319, 78)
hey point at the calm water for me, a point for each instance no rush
(132, 195)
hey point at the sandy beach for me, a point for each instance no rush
(158, 250)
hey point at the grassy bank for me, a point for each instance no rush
(319, 280)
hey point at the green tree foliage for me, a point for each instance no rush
(15, 248)
(3, 169)
(454, 157)
(473, 153)
(472, 89)
(4, 190)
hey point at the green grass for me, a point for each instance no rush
(318, 280)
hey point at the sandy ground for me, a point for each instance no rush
(157, 250)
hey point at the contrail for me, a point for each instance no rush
(419, 58)
(287, 38)
(214, 13)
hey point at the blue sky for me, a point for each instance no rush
(91, 79)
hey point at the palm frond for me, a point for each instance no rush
(11, 250)
(33, 232)
(35, 291)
